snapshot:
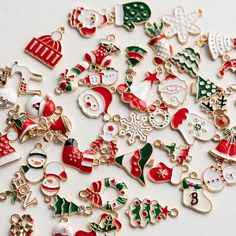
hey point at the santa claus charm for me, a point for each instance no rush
(87, 21)
(192, 126)
(95, 102)
(54, 173)
(22, 225)
(34, 170)
(47, 48)
(54, 124)
(144, 212)
(8, 153)
(62, 229)
(81, 160)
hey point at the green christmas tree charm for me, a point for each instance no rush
(187, 61)
(62, 207)
(142, 213)
(130, 14)
(134, 162)
(206, 89)
(135, 54)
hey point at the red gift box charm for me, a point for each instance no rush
(47, 48)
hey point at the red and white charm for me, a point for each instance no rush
(62, 228)
(172, 90)
(192, 126)
(72, 156)
(47, 48)
(228, 64)
(87, 21)
(8, 153)
(95, 101)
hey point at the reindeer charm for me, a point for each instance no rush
(25, 76)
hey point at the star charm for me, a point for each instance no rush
(165, 212)
(152, 77)
(181, 24)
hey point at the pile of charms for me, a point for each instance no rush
(42, 118)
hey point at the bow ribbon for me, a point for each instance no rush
(65, 76)
(186, 184)
(94, 193)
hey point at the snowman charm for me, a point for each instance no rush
(34, 171)
(62, 229)
(54, 173)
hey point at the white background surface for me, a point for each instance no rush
(22, 20)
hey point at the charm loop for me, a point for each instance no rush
(174, 212)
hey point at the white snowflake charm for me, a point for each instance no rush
(136, 127)
(182, 24)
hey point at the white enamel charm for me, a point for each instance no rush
(182, 24)
(110, 131)
(62, 229)
(8, 98)
(192, 126)
(229, 174)
(173, 90)
(193, 196)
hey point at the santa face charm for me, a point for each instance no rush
(54, 173)
(47, 48)
(7, 153)
(95, 101)
(87, 21)
(34, 171)
(62, 229)
(172, 90)
(193, 196)
(192, 126)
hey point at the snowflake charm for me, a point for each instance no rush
(181, 24)
(197, 127)
(136, 127)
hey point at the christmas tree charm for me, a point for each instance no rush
(54, 124)
(163, 173)
(8, 153)
(86, 21)
(72, 156)
(144, 212)
(22, 225)
(25, 127)
(8, 98)
(159, 116)
(204, 89)
(54, 173)
(62, 229)
(226, 148)
(95, 194)
(136, 94)
(177, 153)
(182, 24)
(193, 196)
(134, 162)
(105, 144)
(132, 13)
(172, 90)
(103, 77)
(135, 55)
(99, 58)
(136, 127)
(66, 83)
(192, 126)
(34, 170)
(220, 44)
(62, 207)
(215, 177)
(187, 61)
(47, 48)
(229, 64)
(163, 51)
(95, 101)
(19, 191)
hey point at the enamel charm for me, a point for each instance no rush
(47, 48)
(62, 228)
(8, 98)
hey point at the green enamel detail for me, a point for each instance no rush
(57, 205)
(119, 159)
(25, 168)
(185, 184)
(136, 212)
(107, 182)
(147, 209)
(122, 200)
(65, 206)
(106, 227)
(205, 88)
(137, 49)
(154, 30)
(76, 70)
(108, 206)
(135, 13)
(157, 210)
(68, 87)
(121, 186)
(170, 148)
(197, 186)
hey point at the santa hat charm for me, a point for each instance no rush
(192, 126)
(87, 21)
(62, 228)
(47, 48)
(95, 101)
